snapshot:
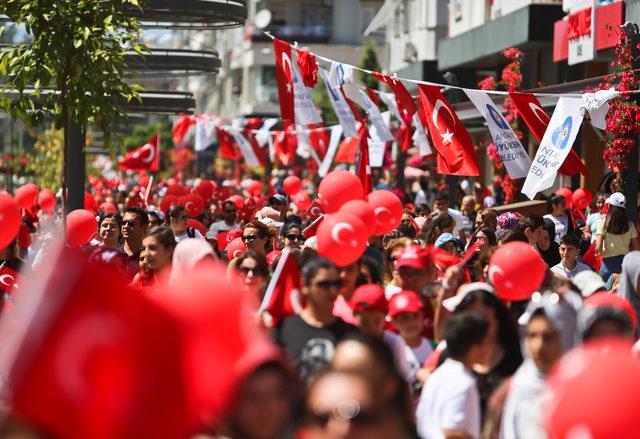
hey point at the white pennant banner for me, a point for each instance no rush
(340, 106)
(246, 149)
(334, 141)
(389, 100)
(205, 133)
(305, 149)
(305, 110)
(555, 146)
(263, 134)
(420, 138)
(343, 75)
(375, 117)
(512, 153)
(376, 144)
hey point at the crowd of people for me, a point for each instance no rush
(412, 339)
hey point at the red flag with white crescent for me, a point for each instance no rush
(456, 153)
(284, 76)
(364, 170)
(315, 210)
(283, 296)
(403, 97)
(144, 158)
(226, 145)
(181, 128)
(537, 120)
(8, 282)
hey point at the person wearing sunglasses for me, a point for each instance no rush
(177, 220)
(310, 337)
(255, 236)
(291, 234)
(253, 270)
(134, 227)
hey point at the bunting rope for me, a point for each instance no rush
(296, 47)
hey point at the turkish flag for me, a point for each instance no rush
(226, 145)
(284, 76)
(284, 145)
(403, 97)
(319, 138)
(537, 120)
(348, 150)
(283, 297)
(312, 229)
(257, 151)
(181, 128)
(8, 278)
(92, 359)
(456, 153)
(315, 210)
(364, 170)
(144, 158)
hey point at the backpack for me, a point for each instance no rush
(191, 232)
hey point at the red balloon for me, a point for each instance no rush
(235, 248)
(81, 227)
(90, 202)
(9, 218)
(168, 201)
(27, 196)
(254, 188)
(567, 194)
(237, 200)
(591, 393)
(388, 210)
(47, 200)
(176, 190)
(205, 189)
(292, 185)
(581, 198)
(516, 270)
(108, 207)
(342, 238)
(193, 203)
(362, 210)
(191, 222)
(301, 200)
(337, 188)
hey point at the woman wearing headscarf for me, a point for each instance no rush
(549, 327)
(189, 254)
(547, 246)
(628, 282)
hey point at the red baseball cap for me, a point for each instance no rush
(368, 297)
(404, 301)
(414, 256)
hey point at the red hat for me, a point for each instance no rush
(404, 301)
(414, 256)
(368, 297)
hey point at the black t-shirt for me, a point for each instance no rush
(311, 348)
(133, 263)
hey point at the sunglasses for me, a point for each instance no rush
(130, 223)
(249, 238)
(326, 284)
(292, 237)
(246, 270)
(182, 217)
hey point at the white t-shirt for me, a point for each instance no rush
(220, 226)
(395, 342)
(560, 269)
(185, 235)
(416, 357)
(449, 400)
(592, 222)
(457, 218)
(562, 225)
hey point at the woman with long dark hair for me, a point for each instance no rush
(547, 246)
(615, 236)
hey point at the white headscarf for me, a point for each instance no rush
(186, 255)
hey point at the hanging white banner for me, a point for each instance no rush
(305, 149)
(246, 149)
(305, 110)
(375, 117)
(598, 105)
(344, 75)
(334, 141)
(420, 138)
(340, 106)
(389, 100)
(512, 153)
(555, 146)
(376, 144)
(205, 133)
(263, 134)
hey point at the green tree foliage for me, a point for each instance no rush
(140, 134)
(46, 162)
(369, 61)
(77, 48)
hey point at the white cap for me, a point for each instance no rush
(617, 199)
(589, 282)
(452, 303)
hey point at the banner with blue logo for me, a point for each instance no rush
(555, 146)
(512, 153)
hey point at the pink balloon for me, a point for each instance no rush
(292, 185)
(47, 200)
(27, 196)
(388, 210)
(81, 227)
(362, 210)
(9, 218)
(235, 248)
(337, 188)
(342, 238)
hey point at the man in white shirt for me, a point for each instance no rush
(177, 218)
(228, 221)
(449, 405)
(569, 266)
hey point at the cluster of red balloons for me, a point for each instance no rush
(350, 218)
